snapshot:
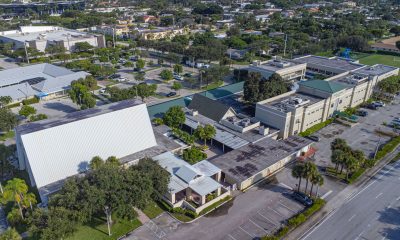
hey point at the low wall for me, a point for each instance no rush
(222, 196)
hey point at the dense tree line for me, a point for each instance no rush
(108, 190)
(256, 88)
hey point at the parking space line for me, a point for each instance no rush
(258, 226)
(232, 237)
(326, 194)
(288, 208)
(277, 212)
(269, 220)
(246, 232)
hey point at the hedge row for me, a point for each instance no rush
(387, 148)
(297, 220)
(316, 127)
(30, 101)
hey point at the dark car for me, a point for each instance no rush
(171, 94)
(314, 138)
(114, 76)
(372, 106)
(362, 113)
(302, 198)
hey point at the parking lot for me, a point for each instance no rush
(250, 215)
(363, 136)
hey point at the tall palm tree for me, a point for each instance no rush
(338, 143)
(359, 156)
(15, 190)
(351, 165)
(297, 172)
(337, 158)
(309, 169)
(316, 179)
(319, 181)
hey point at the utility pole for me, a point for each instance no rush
(26, 53)
(113, 35)
(284, 50)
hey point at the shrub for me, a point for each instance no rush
(193, 155)
(184, 136)
(158, 121)
(388, 147)
(30, 101)
(165, 206)
(191, 214)
(178, 210)
(316, 127)
(37, 117)
(297, 220)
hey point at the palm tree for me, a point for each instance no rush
(15, 190)
(338, 143)
(205, 133)
(351, 165)
(319, 181)
(29, 200)
(316, 178)
(297, 172)
(359, 156)
(309, 169)
(337, 158)
(10, 234)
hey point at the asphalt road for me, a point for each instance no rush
(371, 213)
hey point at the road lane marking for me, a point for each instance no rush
(326, 194)
(258, 225)
(246, 232)
(318, 224)
(351, 218)
(232, 237)
(378, 195)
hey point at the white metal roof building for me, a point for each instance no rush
(39, 79)
(54, 149)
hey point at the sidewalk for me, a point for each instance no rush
(339, 200)
(143, 218)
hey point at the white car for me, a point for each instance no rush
(121, 79)
(102, 91)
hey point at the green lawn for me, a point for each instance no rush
(7, 135)
(97, 229)
(382, 59)
(213, 85)
(152, 210)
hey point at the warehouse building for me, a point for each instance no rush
(55, 149)
(41, 37)
(254, 162)
(45, 81)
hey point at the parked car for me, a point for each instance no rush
(187, 75)
(362, 113)
(179, 78)
(133, 58)
(102, 91)
(379, 104)
(115, 76)
(171, 94)
(314, 138)
(100, 78)
(372, 106)
(302, 198)
(121, 79)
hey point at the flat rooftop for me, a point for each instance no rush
(247, 161)
(352, 79)
(293, 101)
(375, 70)
(334, 63)
(275, 65)
(56, 34)
(76, 116)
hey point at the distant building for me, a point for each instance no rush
(44, 81)
(21, 7)
(236, 54)
(118, 30)
(158, 33)
(40, 37)
(287, 69)
(387, 45)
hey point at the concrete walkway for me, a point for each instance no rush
(143, 218)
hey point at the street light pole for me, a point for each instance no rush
(26, 53)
